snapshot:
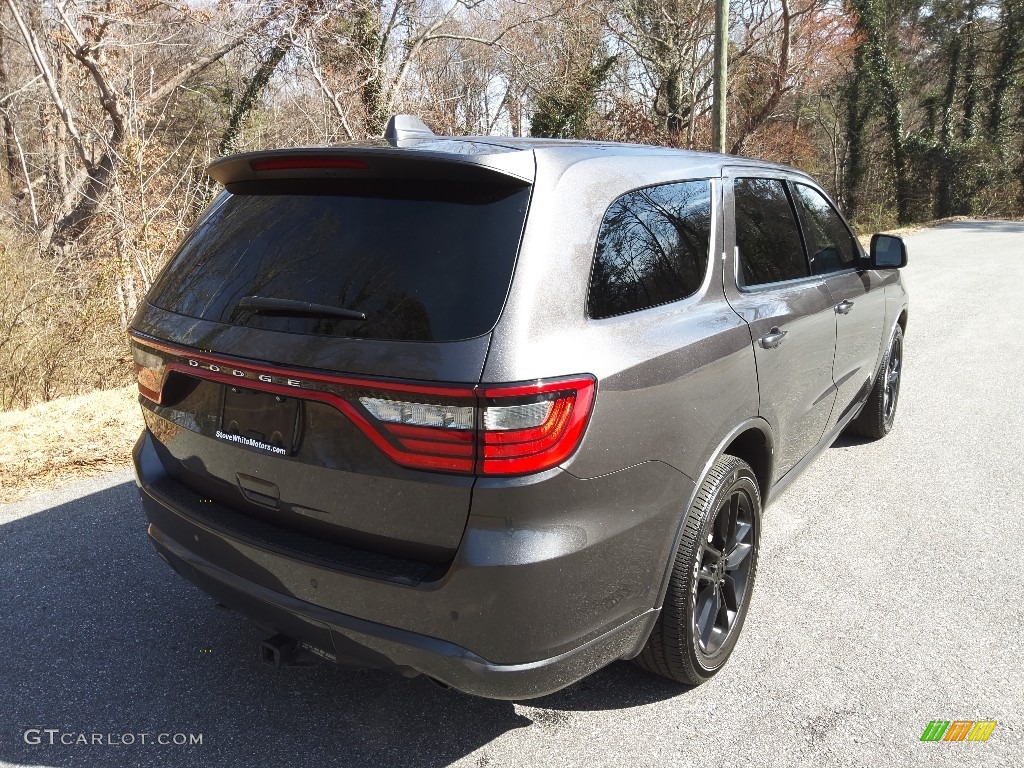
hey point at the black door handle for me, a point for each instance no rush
(773, 338)
(844, 307)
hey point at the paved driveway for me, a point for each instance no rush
(890, 594)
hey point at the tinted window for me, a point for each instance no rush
(426, 261)
(652, 248)
(829, 242)
(766, 233)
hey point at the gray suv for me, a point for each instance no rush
(501, 411)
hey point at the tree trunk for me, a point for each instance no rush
(857, 112)
(71, 226)
(1011, 43)
(968, 126)
(947, 168)
(85, 45)
(368, 42)
(673, 102)
(10, 153)
(884, 80)
(252, 92)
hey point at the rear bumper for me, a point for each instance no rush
(524, 609)
(368, 644)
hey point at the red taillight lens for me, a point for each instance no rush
(297, 163)
(489, 429)
(502, 430)
(533, 427)
(149, 370)
(421, 430)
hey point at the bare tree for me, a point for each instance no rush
(95, 36)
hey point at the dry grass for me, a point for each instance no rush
(66, 439)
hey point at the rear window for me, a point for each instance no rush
(424, 260)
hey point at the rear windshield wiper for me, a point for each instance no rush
(290, 306)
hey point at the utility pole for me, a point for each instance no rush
(721, 74)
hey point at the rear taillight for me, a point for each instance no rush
(533, 427)
(488, 429)
(149, 370)
(432, 429)
(502, 430)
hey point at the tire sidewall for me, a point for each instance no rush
(743, 477)
(887, 424)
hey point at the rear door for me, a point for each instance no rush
(789, 312)
(274, 410)
(857, 293)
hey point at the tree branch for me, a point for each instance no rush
(43, 66)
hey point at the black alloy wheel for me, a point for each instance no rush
(879, 413)
(712, 578)
(723, 573)
(893, 369)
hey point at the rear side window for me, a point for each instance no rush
(770, 249)
(829, 243)
(424, 260)
(652, 248)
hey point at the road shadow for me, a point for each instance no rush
(850, 441)
(98, 636)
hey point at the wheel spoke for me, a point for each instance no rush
(744, 530)
(736, 557)
(720, 527)
(892, 381)
(707, 549)
(708, 605)
(728, 587)
(730, 531)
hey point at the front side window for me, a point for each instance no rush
(829, 243)
(770, 249)
(652, 248)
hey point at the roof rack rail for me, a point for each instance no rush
(402, 128)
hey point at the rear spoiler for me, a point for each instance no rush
(443, 159)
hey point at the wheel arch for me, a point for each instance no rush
(752, 441)
(754, 446)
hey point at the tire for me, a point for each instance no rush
(692, 640)
(876, 418)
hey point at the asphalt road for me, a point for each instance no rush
(889, 594)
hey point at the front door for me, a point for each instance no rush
(790, 315)
(857, 293)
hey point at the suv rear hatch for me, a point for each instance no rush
(316, 287)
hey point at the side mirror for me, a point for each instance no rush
(888, 252)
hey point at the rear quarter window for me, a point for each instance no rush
(652, 248)
(425, 260)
